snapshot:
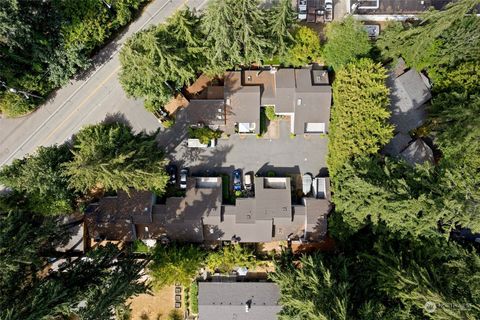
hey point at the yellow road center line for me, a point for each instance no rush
(81, 104)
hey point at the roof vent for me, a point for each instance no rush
(249, 78)
(299, 102)
(211, 230)
(146, 229)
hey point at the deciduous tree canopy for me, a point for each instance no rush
(306, 47)
(43, 43)
(347, 40)
(175, 263)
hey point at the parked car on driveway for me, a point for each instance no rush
(237, 180)
(183, 178)
(328, 10)
(247, 181)
(172, 172)
(307, 183)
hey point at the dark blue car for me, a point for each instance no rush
(237, 180)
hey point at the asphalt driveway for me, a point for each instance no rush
(296, 155)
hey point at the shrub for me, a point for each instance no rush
(230, 257)
(175, 315)
(168, 123)
(270, 113)
(194, 297)
(204, 134)
(14, 105)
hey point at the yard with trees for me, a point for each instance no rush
(158, 62)
(44, 43)
(103, 157)
(86, 288)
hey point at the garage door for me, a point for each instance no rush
(315, 127)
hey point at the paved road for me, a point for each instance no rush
(87, 100)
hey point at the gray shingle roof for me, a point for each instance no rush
(408, 96)
(242, 102)
(398, 143)
(228, 300)
(418, 152)
(291, 91)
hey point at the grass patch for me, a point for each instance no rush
(139, 247)
(270, 113)
(194, 297)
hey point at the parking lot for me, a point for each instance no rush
(285, 155)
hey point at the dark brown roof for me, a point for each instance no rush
(113, 218)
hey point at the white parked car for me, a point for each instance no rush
(302, 10)
(328, 10)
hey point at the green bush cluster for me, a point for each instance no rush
(204, 134)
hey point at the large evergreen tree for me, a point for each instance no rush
(112, 157)
(360, 114)
(40, 177)
(234, 33)
(281, 22)
(441, 38)
(160, 60)
(377, 275)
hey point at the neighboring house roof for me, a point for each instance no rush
(200, 215)
(269, 216)
(208, 112)
(112, 217)
(232, 300)
(180, 218)
(398, 143)
(418, 152)
(317, 210)
(303, 93)
(408, 95)
(242, 102)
